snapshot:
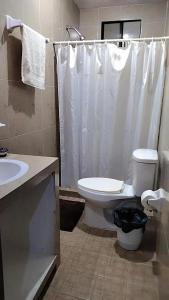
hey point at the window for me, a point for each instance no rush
(121, 29)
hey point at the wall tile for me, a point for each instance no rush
(90, 32)
(30, 113)
(89, 17)
(152, 16)
(132, 12)
(152, 29)
(49, 146)
(110, 13)
(48, 107)
(149, 12)
(164, 141)
(49, 66)
(154, 11)
(14, 54)
(11, 7)
(3, 49)
(60, 34)
(69, 15)
(163, 283)
(24, 108)
(163, 264)
(57, 15)
(4, 118)
(29, 144)
(163, 232)
(165, 223)
(167, 20)
(46, 18)
(31, 17)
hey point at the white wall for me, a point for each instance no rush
(153, 18)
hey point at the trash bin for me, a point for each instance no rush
(131, 226)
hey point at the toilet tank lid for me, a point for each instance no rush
(145, 156)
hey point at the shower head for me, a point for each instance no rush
(74, 34)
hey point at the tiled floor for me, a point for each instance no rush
(94, 267)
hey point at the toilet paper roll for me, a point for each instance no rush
(146, 196)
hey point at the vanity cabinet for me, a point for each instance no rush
(30, 241)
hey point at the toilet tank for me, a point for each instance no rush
(144, 167)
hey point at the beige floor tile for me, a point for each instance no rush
(108, 289)
(111, 267)
(57, 296)
(99, 245)
(137, 292)
(94, 267)
(83, 261)
(67, 251)
(141, 275)
(75, 284)
(73, 239)
(64, 297)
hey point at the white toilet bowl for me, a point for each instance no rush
(101, 202)
(102, 195)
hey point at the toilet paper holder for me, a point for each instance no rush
(153, 200)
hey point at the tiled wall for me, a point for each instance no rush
(163, 228)
(164, 140)
(30, 113)
(153, 18)
(163, 232)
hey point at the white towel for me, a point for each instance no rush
(33, 58)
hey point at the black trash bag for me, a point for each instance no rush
(129, 219)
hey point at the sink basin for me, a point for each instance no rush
(11, 169)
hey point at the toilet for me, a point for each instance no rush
(103, 195)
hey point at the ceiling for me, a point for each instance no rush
(102, 3)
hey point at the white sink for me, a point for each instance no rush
(11, 169)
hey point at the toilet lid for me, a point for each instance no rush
(99, 184)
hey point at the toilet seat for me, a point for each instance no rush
(99, 184)
(102, 198)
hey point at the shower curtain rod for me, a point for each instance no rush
(110, 41)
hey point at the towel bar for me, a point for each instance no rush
(12, 23)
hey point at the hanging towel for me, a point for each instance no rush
(33, 58)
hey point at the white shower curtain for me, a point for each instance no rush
(110, 104)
